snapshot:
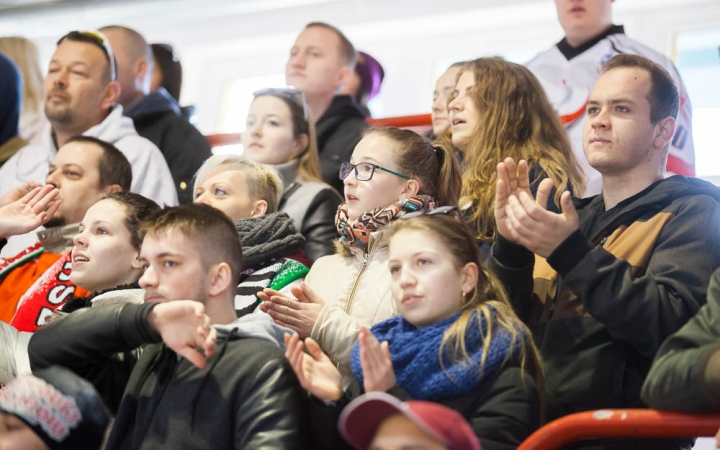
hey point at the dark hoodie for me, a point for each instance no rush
(604, 301)
(10, 104)
(157, 118)
(246, 397)
(338, 132)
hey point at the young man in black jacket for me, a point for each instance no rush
(322, 60)
(241, 393)
(613, 275)
(156, 115)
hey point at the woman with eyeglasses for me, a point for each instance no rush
(391, 172)
(498, 110)
(279, 133)
(455, 341)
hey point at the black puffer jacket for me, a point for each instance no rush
(157, 118)
(247, 396)
(338, 132)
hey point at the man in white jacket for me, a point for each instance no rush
(80, 92)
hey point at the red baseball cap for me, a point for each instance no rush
(361, 418)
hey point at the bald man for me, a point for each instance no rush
(156, 114)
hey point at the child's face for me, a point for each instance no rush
(426, 284)
(16, 435)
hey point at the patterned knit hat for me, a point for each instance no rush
(64, 410)
(361, 419)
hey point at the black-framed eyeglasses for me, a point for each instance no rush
(98, 39)
(364, 171)
(289, 92)
(448, 209)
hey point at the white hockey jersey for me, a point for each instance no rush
(568, 75)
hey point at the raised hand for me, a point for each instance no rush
(184, 327)
(378, 373)
(17, 193)
(298, 313)
(511, 181)
(315, 371)
(29, 212)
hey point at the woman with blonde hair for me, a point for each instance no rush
(499, 110)
(455, 341)
(279, 133)
(24, 53)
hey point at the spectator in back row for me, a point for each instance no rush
(10, 103)
(80, 92)
(617, 274)
(391, 172)
(569, 69)
(321, 62)
(497, 110)
(156, 114)
(444, 87)
(366, 81)
(278, 132)
(24, 53)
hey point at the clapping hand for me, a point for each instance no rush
(315, 371)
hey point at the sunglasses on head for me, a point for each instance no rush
(289, 92)
(449, 209)
(98, 39)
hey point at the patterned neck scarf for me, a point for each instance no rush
(357, 233)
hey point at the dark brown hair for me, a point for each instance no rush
(663, 96)
(137, 209)
(211, 232)
(114, 167)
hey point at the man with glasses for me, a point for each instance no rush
(156, 115)
(321, 62)
(80, 91)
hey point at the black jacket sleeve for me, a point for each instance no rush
(643, 309)
(318, 226)
(686, 374)
(95, 343)
(513, 265)
(278, 415)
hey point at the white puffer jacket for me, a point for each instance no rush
(356, 290)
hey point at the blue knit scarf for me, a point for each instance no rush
(414, 353)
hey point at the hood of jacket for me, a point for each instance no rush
(343, 107)
(158, 101)
(255, 325)
(10, 99)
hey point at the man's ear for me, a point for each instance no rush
(259, 208)
(112, 188)
(143, 77)
(344, 77)
(665, 130)
(136, 264)
(110, 96)
(220, 277)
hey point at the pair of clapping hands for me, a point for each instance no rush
(525, 220)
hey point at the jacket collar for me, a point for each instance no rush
(288, 171)
(569, 52)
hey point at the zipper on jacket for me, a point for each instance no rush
(348, 307)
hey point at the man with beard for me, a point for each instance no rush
(80, 91)
(35, 282)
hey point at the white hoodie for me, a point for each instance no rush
(150, 174)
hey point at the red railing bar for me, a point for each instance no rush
(626, 423)
(418, 120)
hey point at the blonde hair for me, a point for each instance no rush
(25, 54)
(515, 120)
(487, 296)
(263, 181)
